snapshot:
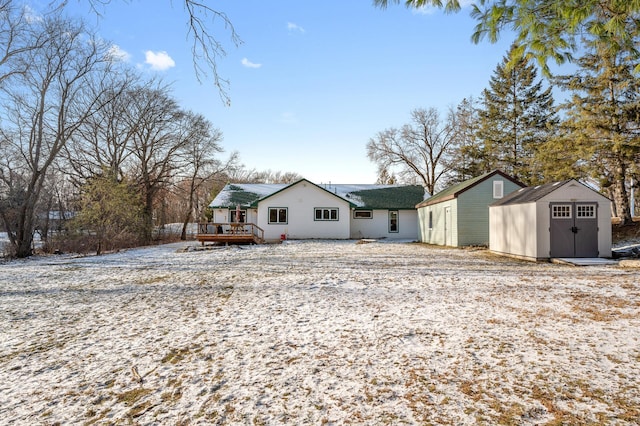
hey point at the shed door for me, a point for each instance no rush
(574, 230)
(586, 224)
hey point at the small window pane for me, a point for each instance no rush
(562, 211)
(326, 214)
(277, 215)
(363, 214)
(587, 211)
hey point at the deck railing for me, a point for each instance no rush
(212, 231)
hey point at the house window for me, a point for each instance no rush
(278, 215)
(561, 211)
(430, 219)
(586, 210)
(322, 213)
(363, 214)
(498, 189)
(393, 221)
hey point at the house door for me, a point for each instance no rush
(447, 226)
(574, 230)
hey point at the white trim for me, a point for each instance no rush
(561, 211)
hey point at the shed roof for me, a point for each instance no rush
(534, 193)
(455, 190)
(360, 196)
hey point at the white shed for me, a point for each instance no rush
(564, 219)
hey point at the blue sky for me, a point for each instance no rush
(312, 82)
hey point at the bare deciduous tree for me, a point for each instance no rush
(16, 38)
(42, 108)
(159, 136)
(201, 166)
(418, 150)
(104, 140)
(206, 47)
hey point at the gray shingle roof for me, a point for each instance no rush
(531, 193)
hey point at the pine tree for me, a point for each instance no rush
(516, 117)
(111, 211)
(603, 118)
(467, 159)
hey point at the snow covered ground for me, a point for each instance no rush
(316, 332)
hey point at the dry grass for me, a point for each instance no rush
(415, 336)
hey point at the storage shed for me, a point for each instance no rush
(459, 215)
(564, 219)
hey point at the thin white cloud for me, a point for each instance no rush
(294, 28)
(159, 61)
(116, 53)
(247, 63)
(31, 16)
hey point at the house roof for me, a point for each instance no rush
(455, 190)
(359, 196)
(535, 193)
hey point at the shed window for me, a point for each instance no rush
(278, 214)
(363, 214)
(586, 210)
(561, 211)
(322, 213)
(498, 189)
(430, 219)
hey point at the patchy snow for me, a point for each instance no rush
(316, 331)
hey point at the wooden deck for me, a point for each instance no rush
(230, 233)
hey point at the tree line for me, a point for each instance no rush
(89, 143)
(515, 125)
(83, 135)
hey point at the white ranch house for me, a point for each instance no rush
(304, 210)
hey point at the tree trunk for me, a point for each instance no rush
(620, 194)
(185, 224)
(621, 201)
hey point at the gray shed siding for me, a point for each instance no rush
(473, 211)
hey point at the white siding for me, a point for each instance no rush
(252, 216)
(512, 230)
(300, 200)
(220, 216)
(378, 225)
